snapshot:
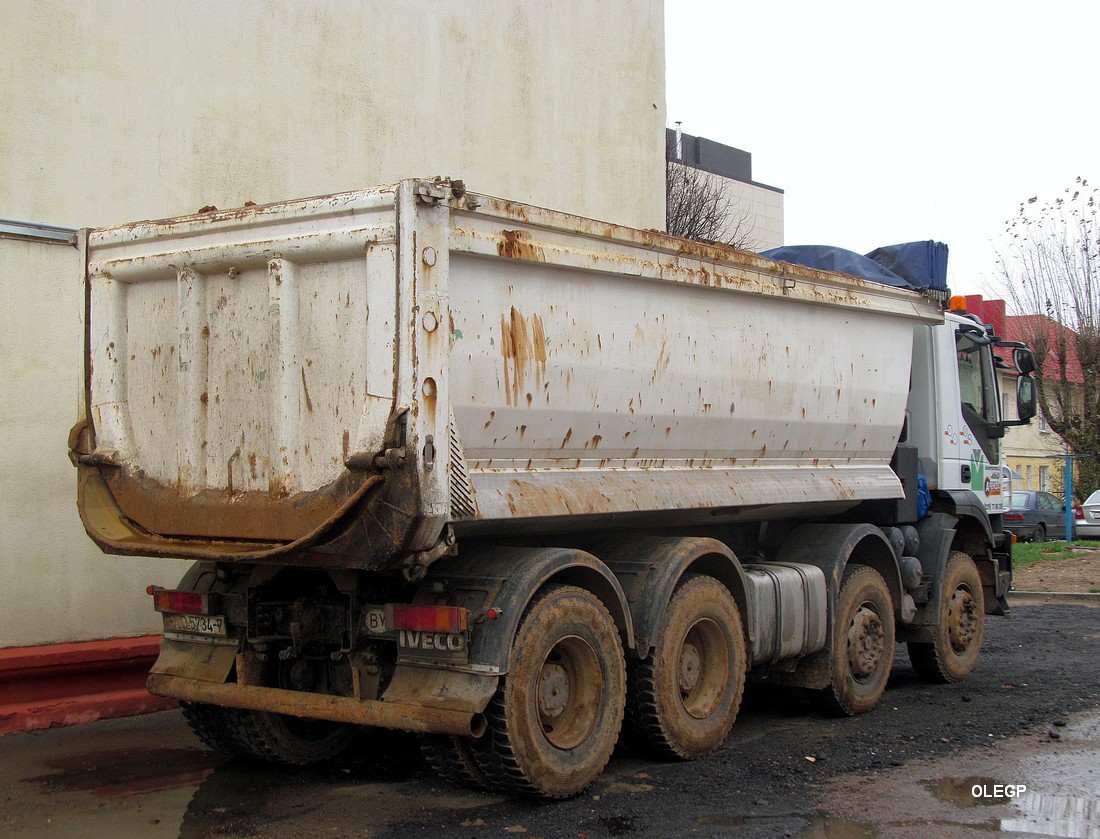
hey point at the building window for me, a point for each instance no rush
(1044, 426)
(1044, 479)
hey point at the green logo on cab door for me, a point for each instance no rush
(977, 471)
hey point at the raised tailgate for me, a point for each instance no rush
(243, 357)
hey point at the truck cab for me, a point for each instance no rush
(956, 420)
(955, 407)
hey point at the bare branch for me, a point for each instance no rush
(1050, 271)
(698, 206)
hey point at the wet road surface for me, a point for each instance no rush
(1014, 750)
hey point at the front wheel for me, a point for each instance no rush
(862, 652)
(685, 695)
(953, 652)
(554, 720)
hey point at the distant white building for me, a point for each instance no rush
(757, 206)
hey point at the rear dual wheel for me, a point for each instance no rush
(556, 715)
(685, 695)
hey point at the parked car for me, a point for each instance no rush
(1086, 521)
(1036, 516)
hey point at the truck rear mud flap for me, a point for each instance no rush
(418, 699)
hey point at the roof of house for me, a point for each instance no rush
(1025, 328)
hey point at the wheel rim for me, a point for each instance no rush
(962, 624)
(866, 642)
(703, 668)
(567, 692)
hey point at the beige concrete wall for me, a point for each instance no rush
(55, 585)
(127, 110)
(116, 111)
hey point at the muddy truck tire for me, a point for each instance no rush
(684, 696)
(554, 720)
(953, 653)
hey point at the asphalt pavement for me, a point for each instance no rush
(1015, 749)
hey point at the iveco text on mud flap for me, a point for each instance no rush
(424, 633)
(449, 464)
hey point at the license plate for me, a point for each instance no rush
(196, 624)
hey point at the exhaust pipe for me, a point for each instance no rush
(321, 706)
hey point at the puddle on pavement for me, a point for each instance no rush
(1034, 812)
(1031, 812)
(232, 800)
(125, 772)
(969, 792)
(240, 796)
(1056, 815)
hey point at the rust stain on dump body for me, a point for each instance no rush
(305, 391)
(538, 337)
(517, 244)
(528, 499)
(522, 344)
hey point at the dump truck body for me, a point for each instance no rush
(248, 372)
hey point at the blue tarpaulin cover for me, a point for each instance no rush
(917, 265)
(924, 264)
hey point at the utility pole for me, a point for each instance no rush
(1069, 493)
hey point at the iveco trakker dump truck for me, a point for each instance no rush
(519, 481)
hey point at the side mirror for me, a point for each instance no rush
(1025, 362)
(1025, 397)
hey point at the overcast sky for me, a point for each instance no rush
(887, 122)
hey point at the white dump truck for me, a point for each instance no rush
(519, 481)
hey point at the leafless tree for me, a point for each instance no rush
(1050, 270)
(698, 206)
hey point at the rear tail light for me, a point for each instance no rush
(1014, 516)
(427, 618)
(1078, 513)
(181, 602)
